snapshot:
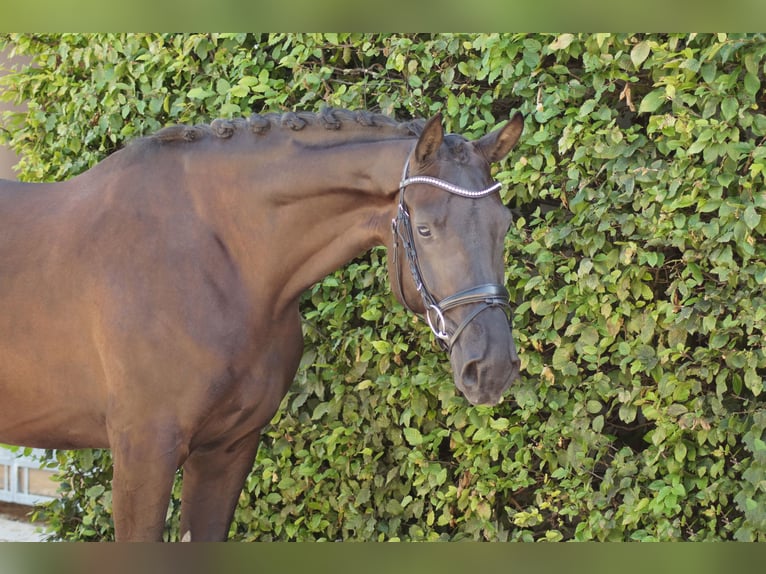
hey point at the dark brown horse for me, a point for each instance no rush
(150, 305)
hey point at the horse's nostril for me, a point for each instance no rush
(470, 374)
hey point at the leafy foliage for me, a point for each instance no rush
(637, 262)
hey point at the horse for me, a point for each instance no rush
(150, 305)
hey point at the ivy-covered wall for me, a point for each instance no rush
(637, 263)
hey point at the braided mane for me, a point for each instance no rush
(332, 119)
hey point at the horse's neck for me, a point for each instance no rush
(302, 213)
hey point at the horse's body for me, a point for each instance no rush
(150, 305)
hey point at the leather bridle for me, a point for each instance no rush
(486, 296)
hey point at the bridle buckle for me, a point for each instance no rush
(440, 329)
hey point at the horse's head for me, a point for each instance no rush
(448, 261)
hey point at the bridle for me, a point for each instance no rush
(487, 296)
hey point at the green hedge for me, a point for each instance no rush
(637, 263)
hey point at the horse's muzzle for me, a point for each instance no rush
(485, 362)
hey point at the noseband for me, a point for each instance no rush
(486, 296)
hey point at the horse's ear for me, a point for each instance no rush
(498, 144)
(430, 140)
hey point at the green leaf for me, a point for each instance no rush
(561, 42)
(482, 434)
(483, 510)
(239, 91)
(593, 406)
(718, 340)
(229, 110)
(696, 147)
(413, 436)
(751, 217)
(249, 81)
(453, 106)
(754, 381)
(652, 101)
(320, 410)
(589, 336)
(541, 306)
(639, 53)
(729, 107)
(382, 347)
(95, 491)
(372, 314)
(598, 423)
(222, 86)
(199, 93)
(628, 413)
(561, 357)
(752, 84)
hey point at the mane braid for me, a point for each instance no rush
(332, 119)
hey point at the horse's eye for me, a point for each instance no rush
(424, 231)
